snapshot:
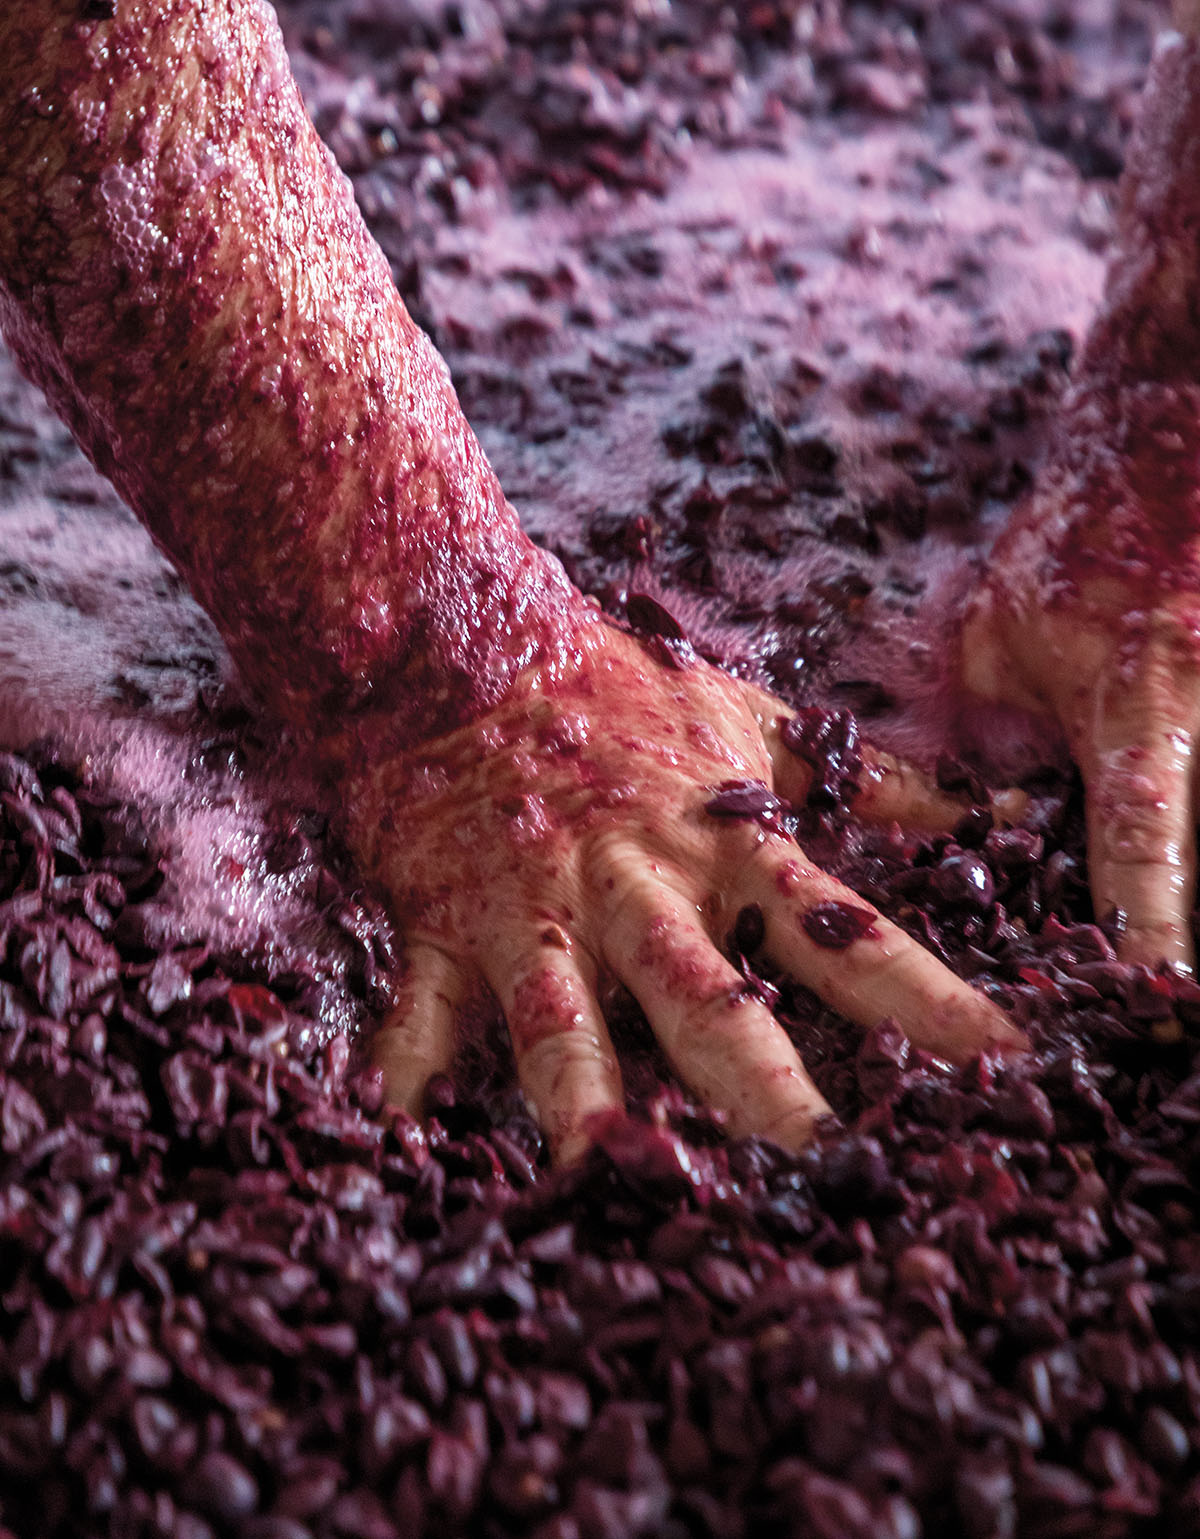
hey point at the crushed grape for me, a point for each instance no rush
(239, 1300)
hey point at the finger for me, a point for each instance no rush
(886, 789)
(864, 966)
(416, 1041)
(893, 791)
(720, 1039)
(1139, 772)
(564, 1056)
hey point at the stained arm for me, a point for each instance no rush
(184, 271)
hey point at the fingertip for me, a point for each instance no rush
(893, 791)
(796, 1128)
(1168, 941)
(1168, 1032)
(969, 1024)
(1008, 1040)
(404, 1084)
(575, 1142)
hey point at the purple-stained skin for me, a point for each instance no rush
(1120, 499)
(305, 461)
(184, 271)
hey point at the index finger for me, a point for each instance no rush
(886, 789)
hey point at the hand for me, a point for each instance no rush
(1073, 622)
(565, 836)
(1091, 609)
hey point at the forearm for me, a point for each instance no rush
(183, 269)
(1118, 502)
(1148, 325)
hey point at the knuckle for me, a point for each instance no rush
(794, 877)
(1172, 645)
(546, 1004)
(1133, 812)
(567, 1053)
(551, 952)
(731, 1012)
(684, 967)
(632, 891)
(428, 972)
(617, 870)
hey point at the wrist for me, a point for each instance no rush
(487, 638)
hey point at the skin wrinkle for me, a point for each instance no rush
(388, 576)
(544, 1004)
